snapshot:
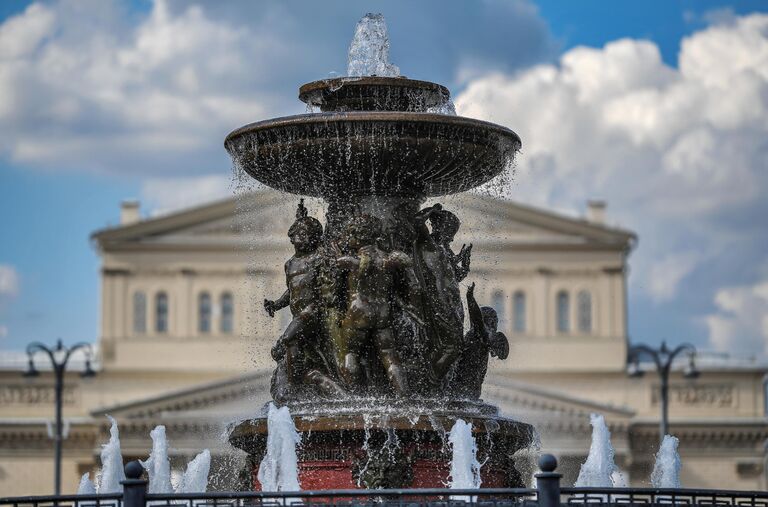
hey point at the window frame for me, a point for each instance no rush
(162, 313)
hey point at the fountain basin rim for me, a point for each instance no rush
(420, 422)
(370, 116)
(400, 81)
(373, 93)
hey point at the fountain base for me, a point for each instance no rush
(364, 444)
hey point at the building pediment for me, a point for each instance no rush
(266, 215)
(229, 397)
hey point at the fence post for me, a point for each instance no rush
(548, 482)
(134, 487)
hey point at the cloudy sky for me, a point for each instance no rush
(658, 107)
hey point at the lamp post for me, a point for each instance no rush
(663, 358)
(59, 356)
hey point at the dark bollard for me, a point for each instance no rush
(548, 482)
(134, 487)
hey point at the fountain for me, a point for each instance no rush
(375, 365)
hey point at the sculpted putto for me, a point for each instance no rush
(300, 350)
(357, 295)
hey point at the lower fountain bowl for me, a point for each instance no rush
(368, 445)
(373, 153)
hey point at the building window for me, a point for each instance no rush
(563, 311)
(204, 312)
(227, 313)
(498, 303)
(161, 312)
(584, 302)
(139, 312)
(518, 302)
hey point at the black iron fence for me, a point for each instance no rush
(547, 493)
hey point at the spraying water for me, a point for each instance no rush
(195, 478)
(157, 465)
(369, 51)
(86, 487)
(465, 469)
(111, 462)
(279, 470)
(599, 470)
(666, 470)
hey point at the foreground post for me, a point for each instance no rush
(663, 359)
(134, 487)
(59, 357)
(548, 482)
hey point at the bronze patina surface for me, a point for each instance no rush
(373, 93)
(373, 153)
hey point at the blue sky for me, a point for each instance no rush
(106, 100)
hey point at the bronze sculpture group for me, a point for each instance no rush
(377, 310)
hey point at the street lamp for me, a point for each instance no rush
(663, 357)
(59, 356)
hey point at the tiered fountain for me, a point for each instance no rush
(375, 366)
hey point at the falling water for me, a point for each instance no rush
(157, 465)
(369, 50)
(195, 478)
(279, 470)
(111, 462)
(599, 469)
(465, 469)
(86, 487)
(666, 470)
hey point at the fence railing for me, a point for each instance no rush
(547, 493)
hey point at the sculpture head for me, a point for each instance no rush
(362, 230)
(306, 232)
(498, 344)
(445, 225)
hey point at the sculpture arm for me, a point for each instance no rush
(475, 315)
(273, 306)
(348, 262)
(397, 260)
(461, 268)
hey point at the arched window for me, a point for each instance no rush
(161, 312)
(518, 303)
(563, 312)
(227, 313)
(204, 312)
(498, 303)
(584, 305)
(139, 312)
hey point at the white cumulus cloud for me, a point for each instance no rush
(164, 195)
(82, 88)
(666, 274)
(9, 280)
(741, 320)
(679, 153)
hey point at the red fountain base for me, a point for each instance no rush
(393, 450)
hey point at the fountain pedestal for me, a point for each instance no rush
(391, 446)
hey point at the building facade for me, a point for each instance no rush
(184, 342)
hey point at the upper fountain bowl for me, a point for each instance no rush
(383, 153)
(375, 136)
(373, 93)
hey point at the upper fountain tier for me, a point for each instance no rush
(374, 136)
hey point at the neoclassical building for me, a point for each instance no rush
(184, 341)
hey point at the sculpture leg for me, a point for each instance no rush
(293, 363)
(386, 348)
(324, 384)
(351, 369)
(444, 363)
